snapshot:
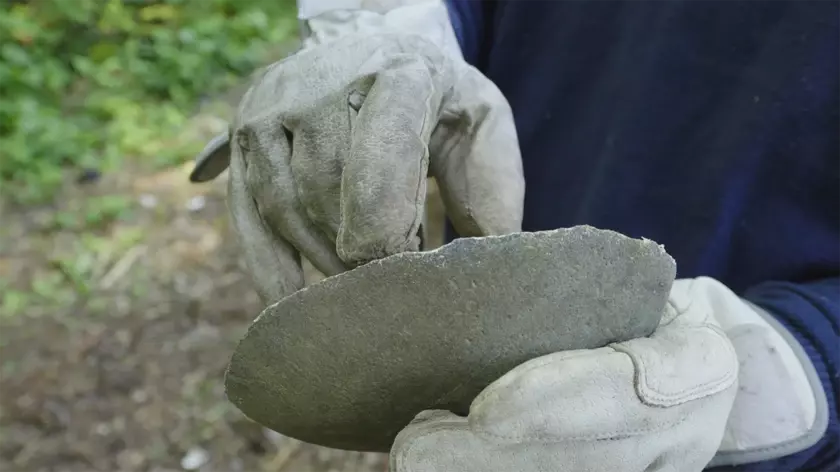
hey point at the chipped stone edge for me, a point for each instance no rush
(336, 279)
(416, 255)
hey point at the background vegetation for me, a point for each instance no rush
(122, 293)
(86, 84)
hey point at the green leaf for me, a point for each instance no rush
(160, 12)
(93, 82)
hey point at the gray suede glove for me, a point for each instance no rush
(331, 148)
(719, 382)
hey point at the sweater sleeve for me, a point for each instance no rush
(467, 18)
(811, 312)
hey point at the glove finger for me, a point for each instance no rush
(273, 262)
(688, 357)
(321, 142)
(212, 160)
(438, 440)
(571, 395)
(270, 182)
(476, 161)
(444, 442)
(383, 184)
(441, 441)
(589, 395)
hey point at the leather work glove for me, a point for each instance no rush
(330, 149)
(656, 404)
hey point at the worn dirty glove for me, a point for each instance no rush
(656, 404)
(330, 148)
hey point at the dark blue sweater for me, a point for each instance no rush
(709, 126)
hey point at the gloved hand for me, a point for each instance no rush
(663, 403)
(331, 148)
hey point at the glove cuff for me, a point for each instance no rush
(323, 21)
(781, 407)
(308, 9)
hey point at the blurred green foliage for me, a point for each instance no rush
(87, 83)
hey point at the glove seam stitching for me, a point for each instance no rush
(654, 397)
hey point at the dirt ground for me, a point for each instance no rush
(117, 322)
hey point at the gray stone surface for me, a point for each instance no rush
(348, 362)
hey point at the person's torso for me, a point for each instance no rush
(710, 127)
